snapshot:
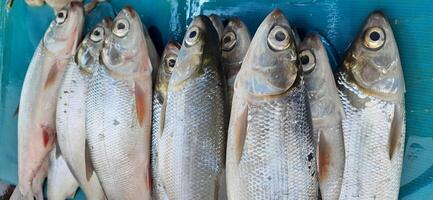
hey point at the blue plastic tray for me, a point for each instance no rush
(337, 21)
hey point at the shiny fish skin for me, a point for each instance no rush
(118, 111)
(36, 117)
(192, 146)
(327, 115)
(371, 87)
(61, 184)
(159, 96)
(70, 117)
(235, 43)
(270, 150)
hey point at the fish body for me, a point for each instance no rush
(168, 61)
(192, 146)
(61, 184)
(371, 87)
(327, 115)
(234, 45)
(118, 111)
(270, 147)
(70, 117)
(36, 117)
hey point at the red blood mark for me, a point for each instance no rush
(131, 11)
(47, 135)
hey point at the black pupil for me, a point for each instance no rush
(280, 36)
(171, 62)
(192, 34)
(60, 15)
(120, 26)
(227, 39)
(374, 36)
(305, 59)
(96, 33)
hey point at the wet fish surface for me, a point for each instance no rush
(192, 145)
(61, 184)
(270, 147)
(327, 115)
(118, 111)
(36, 117)
(234, 45)
(71, 118)
(168, 62)
(371, 87)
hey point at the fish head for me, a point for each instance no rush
(200, 49)
(270, 66)
(63, 34)
(125, 50)
(88, 53)
(168, 61)
(218, 24)
(235, 42)
(319, 80)
(373, 59)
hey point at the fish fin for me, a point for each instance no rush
(324, 157)
(395, 131)
(57, 149)
(162, 117)
(142, 102)
(89, 166)
(148, 177)
(52, 75)
(17, 110)
(240, 131)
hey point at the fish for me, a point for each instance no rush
(168, 61)
(36, 117)
(6, 190)
(70, 112)
(234, 45)
(118, 111)
(61, 184)
(371, 87)
(327, 114)
(270, 145)
(218, 25)
(192, 146)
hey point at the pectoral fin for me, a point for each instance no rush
(162, 117)
(142, 102)
(324, 156)
(396, 131)
(89, 166)
(240, 131)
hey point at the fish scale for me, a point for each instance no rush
(268, 163)
(199, 138)
(376, 175)
(110, 108)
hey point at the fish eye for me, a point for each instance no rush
(171, 62)
(97, 34)
(61, 16)
(308, 61)
(192, 36)
(121, 28)
(279, 38)
(374, 38)
(229, 41)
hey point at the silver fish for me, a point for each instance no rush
(118, 111)
(270, 147)
(168, 61)
(217, 24)
(70, 117)
(36, 117)
(327, 114)
(61, 184)
(192, 145)
(235, 43)
(371, 87)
